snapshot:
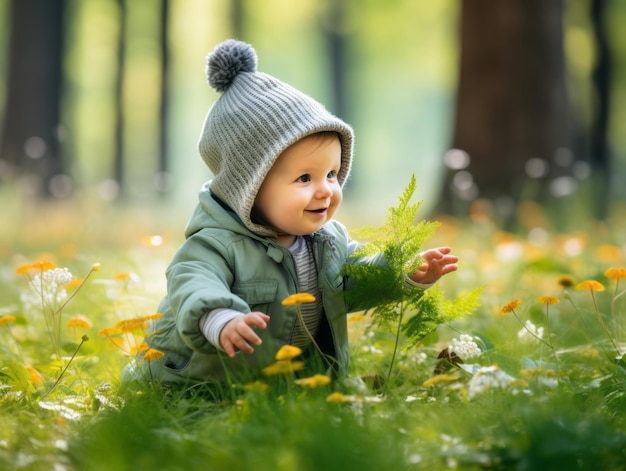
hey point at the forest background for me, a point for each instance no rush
(509, 113)
(492, 104)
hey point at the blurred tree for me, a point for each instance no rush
(512, 110)
(601, 77)
(163, 166)
(334, 20)
(237, 18)
(29, 139)
(118, 156)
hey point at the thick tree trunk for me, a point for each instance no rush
(29, 141)
(512, 103)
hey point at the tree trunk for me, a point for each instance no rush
(118, 157)
(29, 141)
(333, 29)
(600, 152)
(162, 180)
(237, 17)
(512, 103)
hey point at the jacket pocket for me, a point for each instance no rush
(257, 294)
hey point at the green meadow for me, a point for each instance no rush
(516, 363)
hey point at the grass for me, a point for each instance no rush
(514, 402)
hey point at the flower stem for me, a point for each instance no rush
(395, 351)
(317, 347)
(606, 330)
(83, 340)
(550, 334)
(531, 332)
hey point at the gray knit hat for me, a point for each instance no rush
(256, 118)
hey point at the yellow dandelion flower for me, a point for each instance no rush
(282, 367)
(287, 352)
(131, 325)
(510, 307)
(41, 266)
(34, 376)
(257, 386)
(152, 317)
(142, 347)
(566, 281)
(591, 285)
(153, 354)
(7, 319)
(615, 273)
(298, 298)
(443, 378)
(356, 317)
(548, 300)
(109, 331)
(79, 322)
(314, 381)
(337, 397)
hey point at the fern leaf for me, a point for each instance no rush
(463, 305)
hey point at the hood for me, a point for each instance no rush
(211, 213)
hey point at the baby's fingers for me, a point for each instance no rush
(257, 319)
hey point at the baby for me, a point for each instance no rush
(262, 231)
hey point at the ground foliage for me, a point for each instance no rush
(533, 378)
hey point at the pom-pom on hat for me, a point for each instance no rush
(254, 120)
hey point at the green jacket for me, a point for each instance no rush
(224, 265)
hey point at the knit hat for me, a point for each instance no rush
(255, 119)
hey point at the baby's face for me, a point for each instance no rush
(301, 191)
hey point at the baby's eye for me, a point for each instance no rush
(304, 178)
(332, 174)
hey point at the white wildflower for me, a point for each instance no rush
(372, 349)
(48, 289)
(488, 378)
(465, 348)
(530, 331)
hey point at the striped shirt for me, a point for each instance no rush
(306, 272)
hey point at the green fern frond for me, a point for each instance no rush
(464, 304)
(434, 309)
(377, 276)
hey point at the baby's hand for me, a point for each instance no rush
(437, 262)
(238, 332)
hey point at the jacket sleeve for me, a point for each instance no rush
(198, 281)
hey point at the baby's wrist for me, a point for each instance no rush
(418, 284)
(213, 322)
